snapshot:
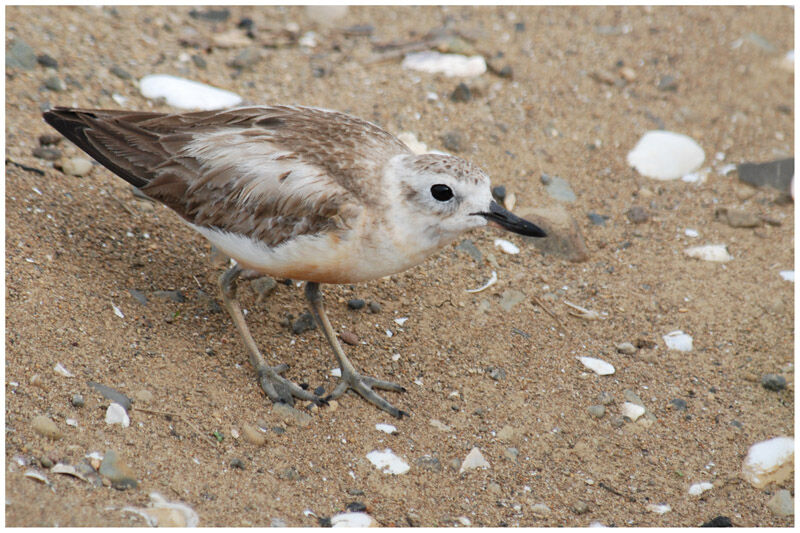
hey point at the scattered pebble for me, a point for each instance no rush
(773, 382)
(678, 404)
(46, 153)
(77, 400)
(598, 366)
(76, 166)
(374, 307)
(678, 340)
(597, 411)
(46, 427)
(353, 520)
(499, 193)
(20, 55)
(668, 83)
(497, 373)
(776, 174)
(252, 435)
(637, 214)
(737, 218)
(558, 188)
(473, 460)
(117, 471)
(186, 94)
(116, 414)
(782, 503)
(246, 59)
(626, 348)
(697, 489)
(664, 155)
(348, 337)
(112, 394)
(386, 428)
(237, 463)
(718, 521)
(597, 220)
(430, 463)
(768, 461)
(161, 513)
(356, 304)
(388, 462)
(507, 247)
(461, 93)
(451, 65)
(632, 411)
(632, 397)
(291, 415)
(540, 509)
(659, 508)
(469, 247)
(605, 398)
(580, 507)
(304, 323)
(441, 426)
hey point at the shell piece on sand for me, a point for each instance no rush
(451, 65)
(717, 253)
(598, 366)
(768, 461)
(665, 155)
(388, 462)
(678, 340)
(186, 94)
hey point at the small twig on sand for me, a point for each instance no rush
(616, 492)
(538, 302)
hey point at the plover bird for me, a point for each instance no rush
(295, 192)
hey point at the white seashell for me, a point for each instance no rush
(598, 366)
(59, 368)
(506, 246)
(414, 144)
(717, 253)
(632, 411)
(660, 508)
(678, 340)
(473, 460)
(352, 520)
(788, 275)
(115, 414)
(386, 428)
(336, 372)
(769, 460)
(162, 513)
(691, 232)
(492, 281)
(699, 488)
(451, 65)
(387, 462)
(117, 311)
(186, 94)
(665, 155)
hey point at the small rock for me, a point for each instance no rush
(626, 348)
(212, 15)
(597, 220)
(678, 340)
(356, 304)
(439, 425)
(668, 83)
(605, 398)
(697, 489)
(173, 296)
(47, 61)
(499, 193)
(138, 295)
(388, 462)
(348, 337)
(632, 397)
(46, 427)
(540, 510)
(773, 382)
(776, 174)
(111, 394)
(55, 84)
(264, 286)
(473, 460)
(678, 404)
(497, 374)
(564, 238)
(461, 93)
(46, 153)
(246, 58)
(116, 414)
(580, 507)
(117, 471)
(782, 503)
(20, 55)
(374, 307)
(558, 188)
(737, 218)
(631, 411)
(289, 474)
(291, 415)
(430, 463)
(718, 521)
(120, 72)
(304, 323)
(469, 247)
(49, 139)
(769, 461)
(511, 453)
(76, 166)
(252, 435)
(77, 400)
(143, 396)
(659, 508)
(510, 298)
(637, 214)
(199, 62)
(598, 366)
(597, 411)
(453, 141)
(237, 463)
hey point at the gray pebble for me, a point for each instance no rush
(782, 503)
(374, 307)
(668, 83)
(77, 400)
(304, 323)
(632, 397)
(174, 296)
(355, 492)
(605, 398)
(499, 193)
(678, 404)
(264, 286)
(454, 464)
(626, 348)
(213, 15)
(617, 421)
(46, 462)
(237, 463)
(469, 247)
(54, 83)
(49, 139)
(117, 471)
(246, 58)
(139, 296)
(430, 463)
(511, 453)
(120, 72)
(113, 395)
(199, 62)
(776, 174)
(46, 153)
(597, 220)
(580, 507)
(356, 304)
(209, 302)
(461, 93)
(47, 61)
(773, 382)
(289, 474)
(497, 373)
(20, 55)
(558, 188)
(637, 214)
(597, 411)
(453, 141)
(506, 72)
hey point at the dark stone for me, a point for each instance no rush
(48, 154)
(718, 521)
(668, 83)
(47, 61)
(20, 55)
(506, 72)
(174, 296)
(519, 27)
(637, 214)
(469, 247)
(773, 382)
(119, 473)
(356, 507)
(77, 400)
(245, 24)
(499, 193)
(598, 220)
(237, 463)
(374, 307)
(199, 62)
(453, 141)
(49, 139)
(120, 72)
(678, 404)
(111, 394)
(304, 323)
(213, 15)
(319, 391)
(776, 174)
(246, 58)
(359, 30)
(356, 303)
(139, 296)
(461, 93)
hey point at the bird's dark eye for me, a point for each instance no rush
(441, 192)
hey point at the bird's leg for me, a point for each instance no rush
(278, 388)
(351, 379)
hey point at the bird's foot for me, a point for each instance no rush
(281, 390)
(364, 386)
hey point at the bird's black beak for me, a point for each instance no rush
(508, 220)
